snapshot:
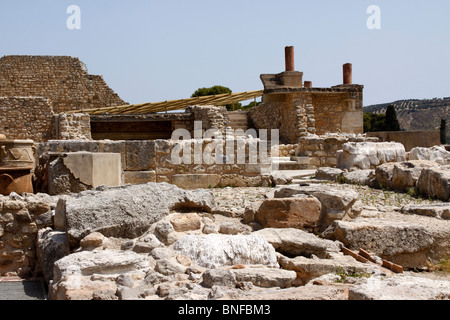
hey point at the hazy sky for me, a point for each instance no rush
(161, 50)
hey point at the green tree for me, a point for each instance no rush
(211, 91)
(201, 92)
(374, 122)
(443, 131)
(391, 119)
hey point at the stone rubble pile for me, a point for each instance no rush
(425, 171)
(157, 241)
(187, 250)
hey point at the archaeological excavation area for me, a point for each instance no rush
(188, 200)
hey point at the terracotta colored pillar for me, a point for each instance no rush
(348, 73)
(307, 84)
(289, 54)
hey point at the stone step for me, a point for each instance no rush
(287, 163)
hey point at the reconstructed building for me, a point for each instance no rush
(56, 103)
(296, 108)
(41, 96)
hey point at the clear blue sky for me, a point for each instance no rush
(159, 50)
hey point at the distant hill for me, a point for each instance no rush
(416, 114)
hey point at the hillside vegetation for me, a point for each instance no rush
(416, 114)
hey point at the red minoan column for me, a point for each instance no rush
(348, 73)
(307, 84)
(289, 54)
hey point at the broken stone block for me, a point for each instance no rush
(295, 242)
(126, 211)
(436, 154)
(72, 275)
(279, 178)
(185, 222)
(402, 175)
(409, 245)
(369, 155)
(80, 171)
(435, 183)
(214, 250)
(299, 213)
(327, 173)
(440, 210)
(92, 241)
(51, 246)
(308, 269)
(336, 202)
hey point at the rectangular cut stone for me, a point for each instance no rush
(140, 155)
(95, 169)
(298, 213)
(194, 181)
(139, 177)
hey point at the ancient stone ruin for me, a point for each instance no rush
(286, 201)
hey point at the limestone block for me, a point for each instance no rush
(308, 269)
(369, 155)
(140, 155)
(404, 243)
(215, 250)
(336, 202)
(195, 181)
(163, 146)
(400, 288)
(440, 210)
(237, 180)
(435, 183)
(402, 175)
(95, 169)
(295, 242)
(126, 211)
(299, 213)
(139, 177)
(186, 222)
(437, 154)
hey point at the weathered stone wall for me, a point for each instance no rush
(20, 219)
(328, 109)
(74, 126)
(61, 79)
(321, 149)
(27, 118)
(297, 112)
(151, 161)
(284, 150)
(292, 114)
(195, 172)
(410, 139)
(211, 117)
